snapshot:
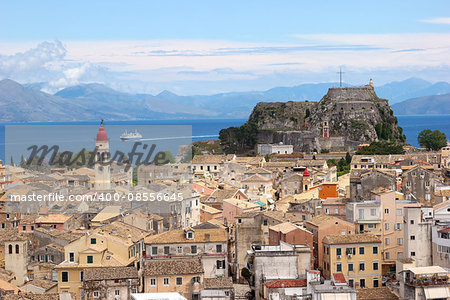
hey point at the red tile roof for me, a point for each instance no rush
(287, 283)
(339, 278)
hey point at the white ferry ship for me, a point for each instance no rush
(130, 135)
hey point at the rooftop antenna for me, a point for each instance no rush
(340, 76)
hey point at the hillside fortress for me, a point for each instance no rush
(344, 118)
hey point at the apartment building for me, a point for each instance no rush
(358, 257)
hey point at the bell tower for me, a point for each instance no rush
(102, 165)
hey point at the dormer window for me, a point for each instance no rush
(190, 234)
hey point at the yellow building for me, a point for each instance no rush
(358, 257)
(184, 276)
(113, 245)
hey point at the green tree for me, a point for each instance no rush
(12, 161)
(381, 148)
(348, 158)
(433, 140)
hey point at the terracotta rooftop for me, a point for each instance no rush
(351, 239)
(218, 283)
(52, 218)
(12, 234)
(173, 267)
(379, 293)
(45, 284)
(286, 283)
(208, 159)
(339, 278)
(256, 178)
(179, 236)
(323, 219)
(110, 273)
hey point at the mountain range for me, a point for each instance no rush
(26, 103)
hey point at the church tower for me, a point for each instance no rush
(102, 167)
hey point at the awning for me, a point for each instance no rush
(437, 292)
(336, 296)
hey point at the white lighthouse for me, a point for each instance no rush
(102, 164)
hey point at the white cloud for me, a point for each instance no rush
(193, 66)
(436, 21)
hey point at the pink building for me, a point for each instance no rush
(234, 207)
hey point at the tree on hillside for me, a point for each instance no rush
(433, 140)
(381, 148)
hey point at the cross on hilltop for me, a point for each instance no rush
(340, 76)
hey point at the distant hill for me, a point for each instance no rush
(20, 104)
(399, 91)
(25, 103)
(428, 105)
(82, 103)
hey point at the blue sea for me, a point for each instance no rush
(181, 130)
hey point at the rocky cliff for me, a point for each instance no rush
(342, 119)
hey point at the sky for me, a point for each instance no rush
(205, 47)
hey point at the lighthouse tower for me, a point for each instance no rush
(102, 166)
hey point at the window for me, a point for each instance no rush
(375, 282)
(219, 248)
(408, 183)
(166, 281)
(386, 211)
(386, 255)
(412, 222)
(10, 249)
(361, 250)
(399, 211)
(375, 265)
(265, 222)
(371, 226)
(71, 257)
(220, 264)
(412, 237)
(373, 212)
(24, 227)
(180, 249)
(81, 275)
(350, 282)
(386, 226)
(153, 281)
(90, 259)
(239, 221)
(413, 253)
(338, 267)
(362, 283)
(93, 241)
(166, 250)
(362, 266)
(64, 276)
(398, 226)
(190, 235)
(196, 279)
(400, 241)
(179, 280)
(17, 249)
(193, 249)
(117, 292)
(336, 211)
(375, 250)
(154, 250)
(327, 211)
(95, 294)
(386, 241)
(350, 267)
(399, 255)
(338, 251)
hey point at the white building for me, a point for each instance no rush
(418, 222)
(264, 149)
